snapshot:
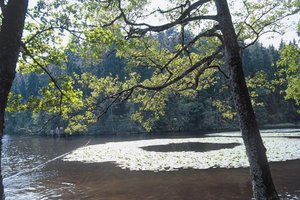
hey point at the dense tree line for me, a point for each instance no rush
(206, 62)
(209, 109)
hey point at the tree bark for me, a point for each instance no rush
(262, 183)
(10, 40)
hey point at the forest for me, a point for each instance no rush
(134, 66)
(208, 109)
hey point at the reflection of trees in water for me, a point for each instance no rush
(190, 146)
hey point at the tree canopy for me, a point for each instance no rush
(207, 51)
(155, 66)
(289, 64)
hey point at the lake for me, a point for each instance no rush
(167, 167)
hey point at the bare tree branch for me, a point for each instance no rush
(200, 71)
(260, 31)
(113, 21)
(221, 71)
(205, 61)
(182, 19)
(181, 6)
(209, 33)
(137, 32)
(110, 105)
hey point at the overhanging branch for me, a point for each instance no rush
(209, 33)
(260, 30)
(205, 61)
(28, 53)
(125, 94)
(182, 19)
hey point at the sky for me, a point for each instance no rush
(290, 35)
(267, 39)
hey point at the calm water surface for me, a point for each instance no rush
(33, 169)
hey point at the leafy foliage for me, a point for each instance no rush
(100, 54)
(289, 69)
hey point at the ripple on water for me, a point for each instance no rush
(133, 155)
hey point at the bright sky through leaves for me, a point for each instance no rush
(267, 39)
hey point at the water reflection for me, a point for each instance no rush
(23, 159)
(33, 169)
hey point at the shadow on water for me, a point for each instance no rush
(104, 181)
(32, 169)
(190, 146)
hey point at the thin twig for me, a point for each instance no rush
(27, 52)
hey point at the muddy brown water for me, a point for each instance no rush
(33, 169)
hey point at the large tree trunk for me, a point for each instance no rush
(263, 187)
(10, 40)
